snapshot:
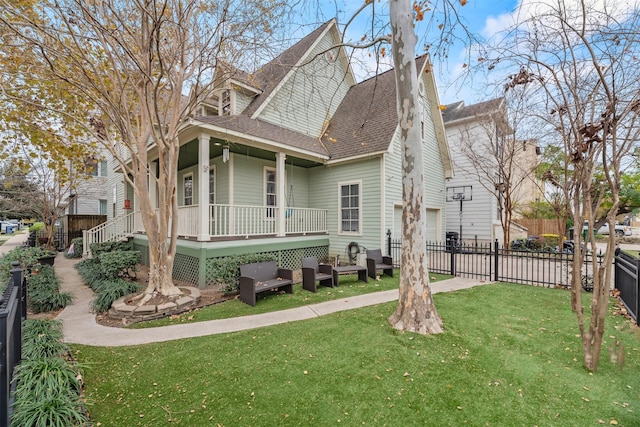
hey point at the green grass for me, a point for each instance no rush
(269, 302)
(509, 356)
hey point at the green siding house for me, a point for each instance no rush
(298, 159)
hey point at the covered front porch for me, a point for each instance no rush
(234, 186)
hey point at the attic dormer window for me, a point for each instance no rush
(226, 102)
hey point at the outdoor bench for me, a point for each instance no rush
(261, 277)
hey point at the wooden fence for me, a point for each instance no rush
(539, 226)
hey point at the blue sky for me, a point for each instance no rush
(483, 18)
(480, 17)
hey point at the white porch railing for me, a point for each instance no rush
(304, 220)
(224, 221)
(236, 220)
(188, 222)
(110, 231)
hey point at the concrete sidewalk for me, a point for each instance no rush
(17, 239)
(80, 325)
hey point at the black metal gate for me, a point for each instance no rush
(487, 261)
(626, 280)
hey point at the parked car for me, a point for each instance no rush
(5, 224)
(620, 230)
(17, 223)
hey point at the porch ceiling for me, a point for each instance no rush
(189, 153)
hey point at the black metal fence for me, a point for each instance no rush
(628, 283)
(13, 311)
(61, 238)
(487, 261)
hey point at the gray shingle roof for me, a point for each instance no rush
(367, 118)
(458, 111)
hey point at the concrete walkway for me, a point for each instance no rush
(80, 325)
(17, 239)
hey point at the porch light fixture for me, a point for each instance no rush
(225, 153)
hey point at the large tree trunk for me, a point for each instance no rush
(162, 239)
(415, 311)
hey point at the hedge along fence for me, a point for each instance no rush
(49, 383)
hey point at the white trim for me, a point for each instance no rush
(258, 142)
(212, 168)
(383, 199)
(230, 172)
(356, 158)
(360, 204)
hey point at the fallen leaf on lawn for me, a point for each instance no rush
(613, 422)
(406, 374)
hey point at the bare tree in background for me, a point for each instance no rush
(580, 57)
(490, 150)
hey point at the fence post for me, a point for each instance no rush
(389, 242)
(637, 291)
(453, 257)
(18, 279)
(496, 252)
(5, 376)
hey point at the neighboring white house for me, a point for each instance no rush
(479, 136)
(90, 196)
(296, 159)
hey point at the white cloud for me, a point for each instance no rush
(527, 9)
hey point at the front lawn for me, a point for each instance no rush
(510, 355)
(269, 302)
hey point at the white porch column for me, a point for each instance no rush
(280, 196)
(203, 187)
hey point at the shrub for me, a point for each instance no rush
(110, 290)
(117, 263)
(37, 226)
(550, 240)
(226, 270)
(44, 291)
(89, 270)
(25, 255)
(98, 248)
(48, 387)
(42, 338)
(50, 411)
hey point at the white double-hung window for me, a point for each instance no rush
(270, 191)
(350, 204)
(187, 187)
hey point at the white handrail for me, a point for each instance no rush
(112, 230)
